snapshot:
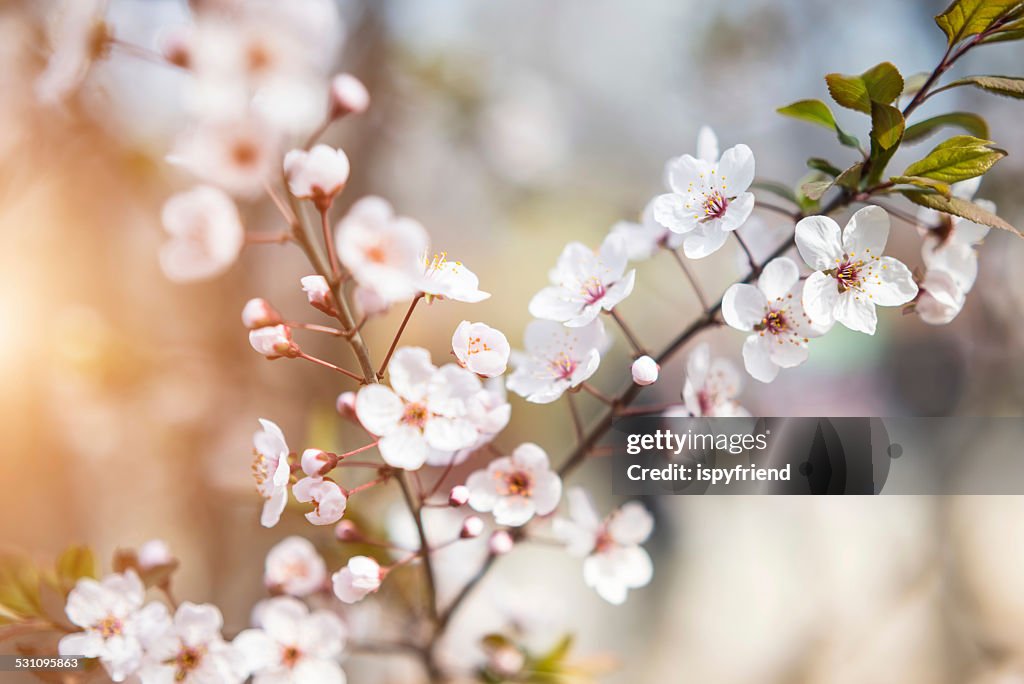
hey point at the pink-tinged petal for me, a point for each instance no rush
(891, 283)
(449, 434)
(743, 306)
(959, 261)
(778, 278)
(866, 233)
(410, 372)
(819, 241)
(757, 358)
(941, 300)
(707, 239)
(671, 212)
(630, 525)
(618, 291)
(740, 209)
(514, 511)
(379, 409)
(698, 364)
(856, 312)
(529, 456)
(553, 304)
(736, 170)
(635, 566)
(787, 351)
(547, 492)
(707, 145)
(404, 448)
(321, 671)
(614, 254)
(273, 507)
(483, 492)
(820, 298)
(197, 624)
(586, 368)
(88, 644)
(601, 575)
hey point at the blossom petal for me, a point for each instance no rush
(866, 233)
(404, 448)
(670, 211)
(705, 241)
(820, 297)
(787, 351)
(819, 241)
(895, 284)
(736, 169)
(757, 359)
(856, 312)
(378, 409)
(740, 209)
(410, 371)
(778, 278)
(553, 304)
(743, 306)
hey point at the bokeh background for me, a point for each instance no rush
(508, 129)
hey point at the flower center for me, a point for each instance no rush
(109, 626)
(415, 415)
(260, 469)
(563, 366)
(258, 58)
(707, 401)
(244, 153)
(604, 541)
(188, 659)
(593, 290)
(715, 205)
(290, 656)
(848, 274)
(477, 345)
(518, 483)
(774, 322)
(377, 254)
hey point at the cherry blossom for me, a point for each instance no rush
(191, 650)
(383, 251)
(294, 567)
(292, 645)
(711, 385)
(458, 496)
(950, 242)
(114, 621)
(481, 349)
(939, 298)
(361, 576)
(708, 198)
(78, 35)
(851, 276)
(271, 470)
(273, 342)
(446, 279)
(348, 95)
(773, 312)
(515, 488)
(557, 358)
(615, 561)
(237, 156)
(313, 461)
(646, 238)
(327, 498)
(206, 234)
(258, 313)
(585, 283)
(318, 292)
(423, 414)
(645, 371)
(472, 527)
(317, 175)
(500, 543)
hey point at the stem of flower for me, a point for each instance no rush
(332, 256)
(754, 267)
(368, 485)
(398, 335)
(315, 328)
(268, 238)
(577, 422)
(628, 332)
(594, 392)
(428, 568)
(693, 280)
(328, 364)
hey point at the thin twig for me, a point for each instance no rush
(332, 255)
(577, 422)
(755, 268)
(328, 364)
(693, 280)
(428, 568)
(398, 335)
(634, 341)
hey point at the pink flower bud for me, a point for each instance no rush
(458, 496)
(274, 342)
(153, 553)
(347, 531)
(348, 96)
(472, 527)
(314, 461)
(258, 313)
(346, 406)
(318, 292)
(500, 543)
(317, 175)
(645, 371)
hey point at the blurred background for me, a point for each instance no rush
(509, 128)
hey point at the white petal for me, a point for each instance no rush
(866, 233)
(707, 239)
(410, 370)
(890, 283)
(736, 169)
(757, 359)
(856, 312)
(820, 297)
(707, 145)
(554, 304)
(743, 306)
(379, 409)
(778, 278)
(404, 448)
(739, 210)
(819, 241)
(787, 351)
(632, 524)
(670, 211)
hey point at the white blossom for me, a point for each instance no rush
(294, 567)
(317, 175)
(585, 283)
(940, 299)
(292, 645)
(646, 238)
(361, 576)
(206, 234)
(318, 292)
(950, 242)
(237, 156)
(851, 276)
(424, 414)
(481, 349)
(711, 386)
(78, 35)
(348, 95)
(557, 358)
(645, 371)
(772, 312)
(446, 279)
(328, 500)
(614, 560)
(271, 471)
(258, 313)
(273, 341)
(192, 651)
(516, 487)
(383, 251)
(708, 198)
(114, 621)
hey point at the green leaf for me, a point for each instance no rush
(913, 83)
(881, 83)
(970, 122)
(1007, 86)
(818, 113)
(75, 563)
(1012, 31)
(965, 18)
(777, 189)
(850, 178)
(938, 186)
(958, 207)
(957, 159)
(886, 133)
(815, 189)
(823, 165)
